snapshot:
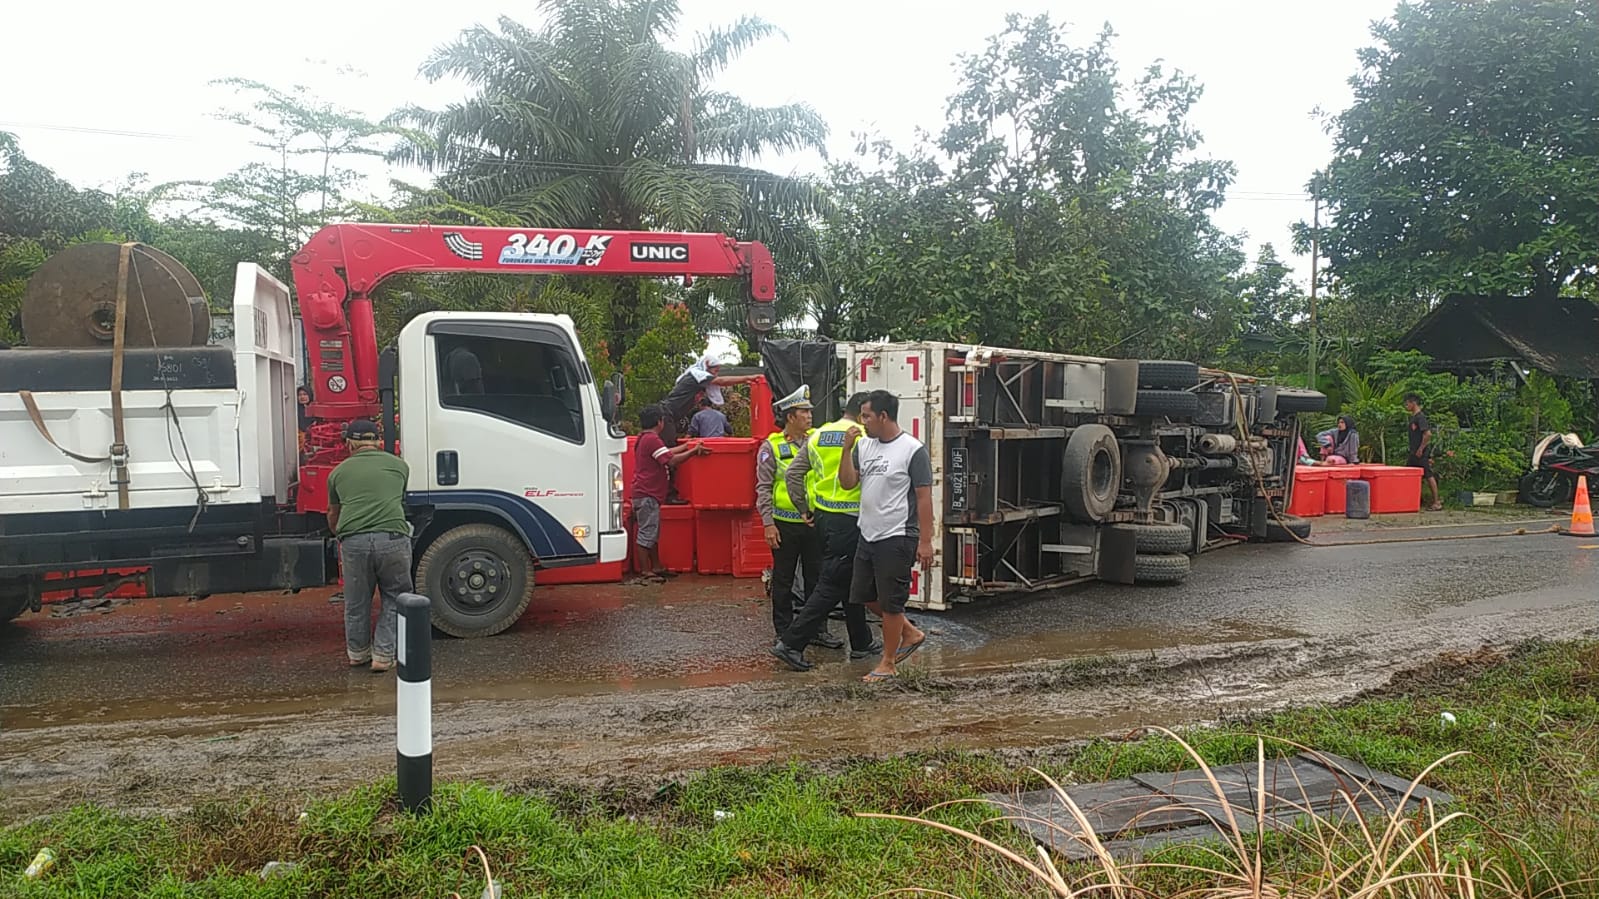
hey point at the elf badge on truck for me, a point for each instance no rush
(127, 442)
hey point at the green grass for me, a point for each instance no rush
(1531, 783)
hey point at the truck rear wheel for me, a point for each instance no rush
(12, 605)
(1161, 568)
(1164, 538)
(16, 597)
(1166, 374)
(480, 578)
(1091, 473)
(1178, 404)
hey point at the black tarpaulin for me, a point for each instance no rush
(790, 363)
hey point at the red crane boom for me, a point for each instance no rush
(337, 270)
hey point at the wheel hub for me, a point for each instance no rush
(477, 578)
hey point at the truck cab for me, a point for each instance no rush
(513, 459)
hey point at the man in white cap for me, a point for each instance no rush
(703, 377)
(794, 543)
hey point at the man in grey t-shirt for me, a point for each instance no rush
(896, 521)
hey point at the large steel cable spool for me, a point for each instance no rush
(198, 308)
(71, 301)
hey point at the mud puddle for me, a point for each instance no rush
(651, 735)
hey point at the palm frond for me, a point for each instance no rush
(731, 130)
(716, 48)
(565, 202)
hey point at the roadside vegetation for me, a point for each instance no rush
(1526, 727)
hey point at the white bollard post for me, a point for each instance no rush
(414, 707)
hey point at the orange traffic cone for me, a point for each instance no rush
(1581, 512)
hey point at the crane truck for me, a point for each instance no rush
(135, 447)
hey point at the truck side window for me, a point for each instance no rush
(520, 381)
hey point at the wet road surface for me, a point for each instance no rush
(603, 673)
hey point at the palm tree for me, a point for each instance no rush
(594, 122)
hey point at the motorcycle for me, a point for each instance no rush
(1557, 461)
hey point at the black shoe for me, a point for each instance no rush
(789, 657)
(828, 641)
(837, 614)
(873, 651)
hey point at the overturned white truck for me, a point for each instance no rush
(1051, 469)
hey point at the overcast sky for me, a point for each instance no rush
(76, 71)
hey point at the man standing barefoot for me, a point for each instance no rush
(896, 480)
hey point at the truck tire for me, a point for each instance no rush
(1164, 538)
(1091, 473)
(12, 604)
(1293, 399)
(1167, 404)
(1161, 568)
(1284, 531)
(480, 578)
(1165, 374)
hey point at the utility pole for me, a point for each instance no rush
(1315, 254)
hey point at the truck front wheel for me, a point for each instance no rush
(479, 577)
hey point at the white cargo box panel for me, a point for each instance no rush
(914, 373)
(235, 446)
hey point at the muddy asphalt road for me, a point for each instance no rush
(161, 703)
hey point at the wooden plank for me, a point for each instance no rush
(1393, 783)
(1133, 816)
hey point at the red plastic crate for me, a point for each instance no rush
(724, 479)
(714, 531)
(1338, 478)
(1394, 489)
(1310, 492)
(676, 548)
(751, 555)
(597, 573)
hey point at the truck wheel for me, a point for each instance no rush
(12, 605)
(1091, 473)
(1293, 399)
(1161, 568)
(1164, 374)
(1286, 530)
(1164, 538)
(480, 578)
(1166, 404)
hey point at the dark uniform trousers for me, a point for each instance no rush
(800, 549)
(839, 535)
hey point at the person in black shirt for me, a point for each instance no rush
(1421, 432)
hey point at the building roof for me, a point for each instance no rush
(1557, 337)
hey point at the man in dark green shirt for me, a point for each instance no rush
(366, 509)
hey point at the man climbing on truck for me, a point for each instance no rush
(895, 477)
(366, 510)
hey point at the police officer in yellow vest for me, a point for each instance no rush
(794, 543)
(813, 489)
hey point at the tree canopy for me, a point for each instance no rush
(1469, 160)
(594, 121)
(1062, 206)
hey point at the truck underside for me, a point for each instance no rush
(1051, 469)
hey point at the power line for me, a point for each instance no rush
(109, 132)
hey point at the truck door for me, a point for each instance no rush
(510, 429)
